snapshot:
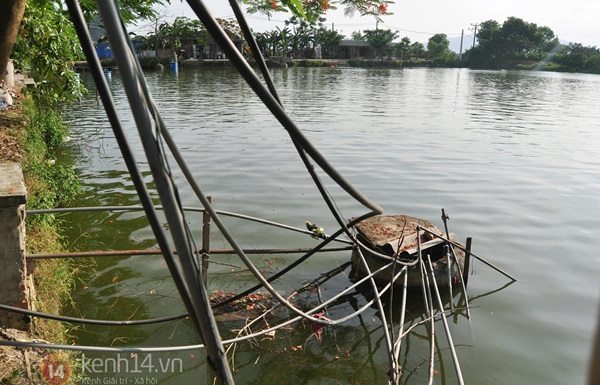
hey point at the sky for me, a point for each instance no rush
(572, 21)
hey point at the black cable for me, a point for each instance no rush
(254, 48)
(291, 265)
(109, 106)
(249, 36)
(190, 288)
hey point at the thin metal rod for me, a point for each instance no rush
(449, 266)
(448, 260)
(90, 321)
(456, 244)
(392, 376)
(431, 311)
(254, 48)
(84, 348)
(462, 281)
(87, 45)
(129, 253)
(398, 343)
(445, 323)
(424, 279)
(185, 208)
(428, 305)
(205, 243)
(463, 284)
(269, 80)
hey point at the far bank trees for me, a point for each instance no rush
(520, 44)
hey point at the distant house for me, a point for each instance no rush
(98, 35)
(355, 49)
(209, 50)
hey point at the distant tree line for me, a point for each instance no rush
(512, 44)
(520, 44)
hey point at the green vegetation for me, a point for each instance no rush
(35, 138)
(182, 31)
(46, 47)
(523, 45)
(309, 63)
(50, 183)
(299, 38)
(381, 40)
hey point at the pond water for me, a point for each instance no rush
(513, 158)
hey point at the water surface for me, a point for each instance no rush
(513, 157)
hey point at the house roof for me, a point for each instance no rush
(354, 43)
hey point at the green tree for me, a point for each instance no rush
(47, 44)
(488, 31)
(13, 12)
(404, 48)
(577, 57)
(518, 38)
(514, 42)
(303, 35)
(438, 46)
(358, 35)
(46, 47)
(330, 41)
(179, 33)
(417, 49)
(381, 40)
(282, 42)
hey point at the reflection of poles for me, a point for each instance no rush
(595, 362)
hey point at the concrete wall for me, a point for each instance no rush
(12, 245)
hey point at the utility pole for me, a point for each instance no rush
(474, 32)
(462, 35)
(332, 27)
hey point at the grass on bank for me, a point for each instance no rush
(34, 137)
(50, 183)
